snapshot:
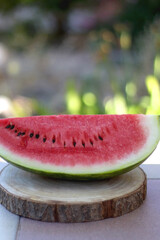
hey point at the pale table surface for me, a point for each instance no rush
(141, 224)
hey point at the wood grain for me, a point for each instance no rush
(40, 198)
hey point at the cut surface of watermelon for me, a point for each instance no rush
(79, 146)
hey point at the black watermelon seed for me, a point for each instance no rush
(91, 142)
(19, 134)
(31, 135)
(12, 127)
(37, 135)
(15, 131)
(53, 140)
(100, 138)
(83, 144)
(44, 139)
(74, 143)
(8, 126)
(23, 133)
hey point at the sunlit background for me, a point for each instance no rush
(79, 57)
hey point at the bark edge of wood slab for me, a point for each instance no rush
(40, 198)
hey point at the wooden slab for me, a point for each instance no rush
(40, 198)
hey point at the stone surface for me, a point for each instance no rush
(152, 170)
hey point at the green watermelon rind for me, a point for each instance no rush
(81, 177)
(87, 176)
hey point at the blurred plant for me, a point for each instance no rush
(124, 80)
(118, 104)
(81, 102)
(134, 14)
(57, 10)
(139, 15)
(132, 76)
(73, 100)
(149, 104)
(21, 107)
(154, 92)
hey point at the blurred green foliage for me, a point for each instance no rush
(136, 15)
(22, 107)
(139, 14)
(130, 88)
(29, 30)
(87, 102)
(48, 5)
(133, 89)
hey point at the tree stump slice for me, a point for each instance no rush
(45, 199)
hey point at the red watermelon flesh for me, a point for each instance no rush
(79, 146)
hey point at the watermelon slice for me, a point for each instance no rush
(79, 146)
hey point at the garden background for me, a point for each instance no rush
(79, 57)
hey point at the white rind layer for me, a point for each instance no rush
(151, 125)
